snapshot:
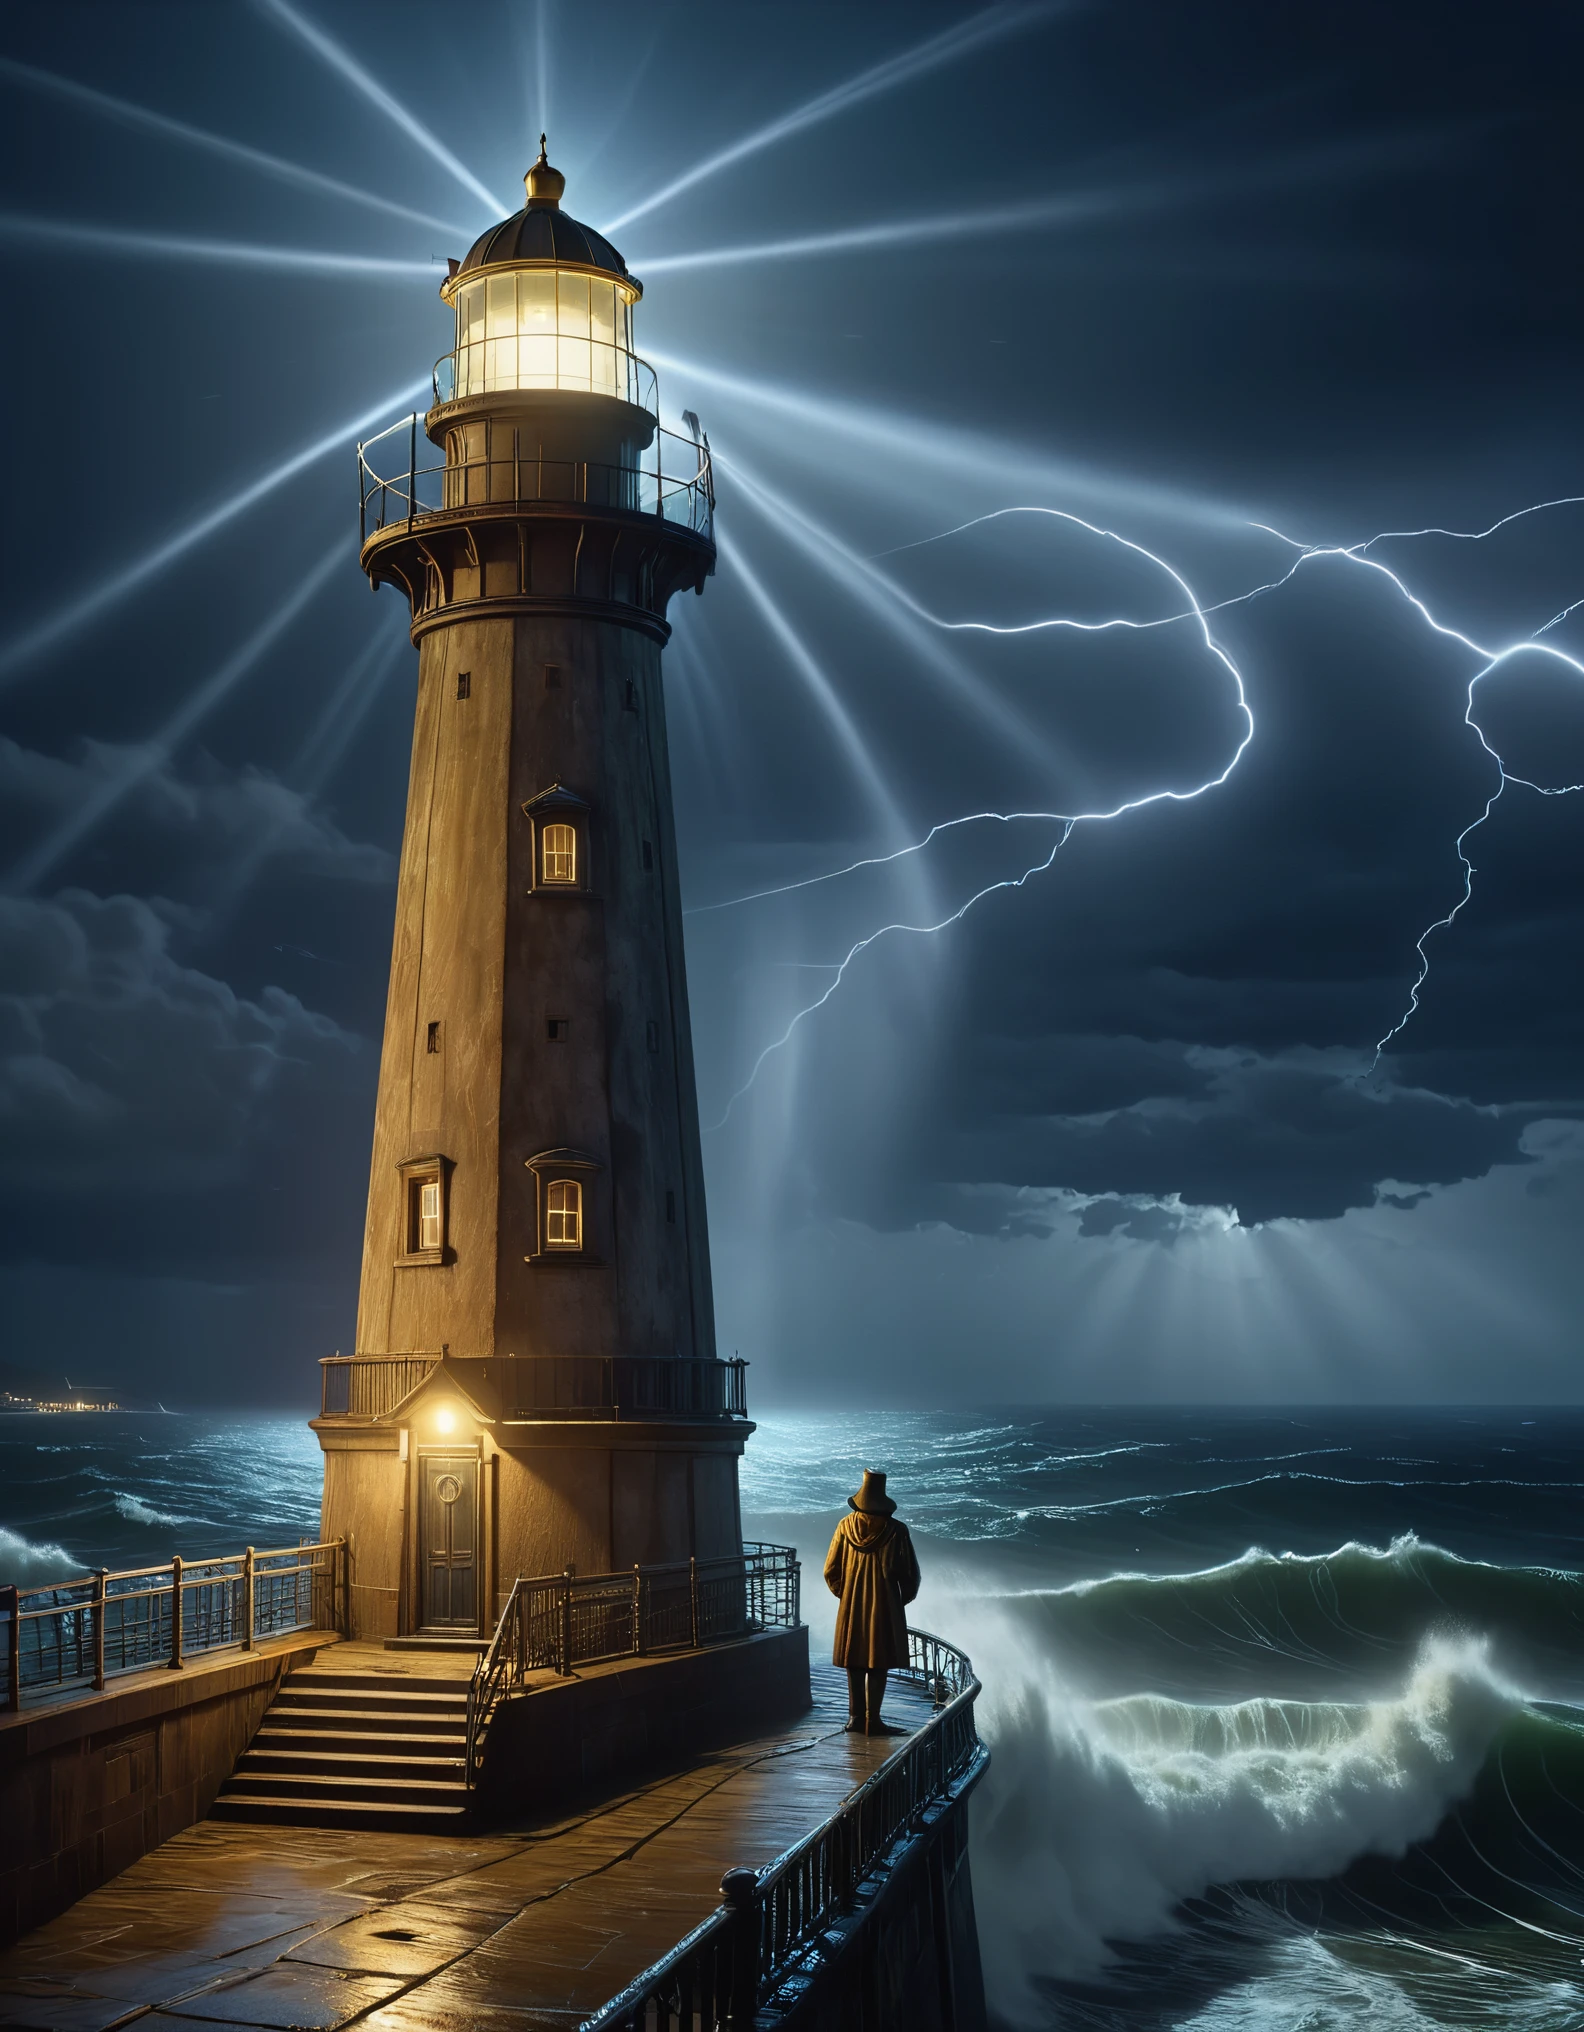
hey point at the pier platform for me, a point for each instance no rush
(525, 1926)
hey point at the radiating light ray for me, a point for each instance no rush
(221, 145)
(153, 754)
(542, 61)
(1490, 660)
(176, 247)
(1067, 822)
(339, 59)
(965, 454)
(875, 592)
(87, 606)
(1076, 209)
(989, 24)
(837, 717)
(332, 733)
(863, 945)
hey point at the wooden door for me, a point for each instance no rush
(448, 1492)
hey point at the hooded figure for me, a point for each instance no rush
(872, 1569)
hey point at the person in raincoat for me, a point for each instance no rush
(873, 1571)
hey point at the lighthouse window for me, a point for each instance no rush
(563, 1214)
(424, 1189)
(429, 1229)
(560, 853)
(542, 328)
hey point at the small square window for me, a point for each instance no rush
(432, 1039)
(559, 1029)
(648, 855)
(670, 1205)
(630, 697)
(552, 673)
(464, 684)
(654, 1034)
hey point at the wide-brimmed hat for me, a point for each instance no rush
(871, 1497)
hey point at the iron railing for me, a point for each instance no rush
(556, 1621)
(79, 1633)
(672, 480)
(545, 1386)
(774, 1920)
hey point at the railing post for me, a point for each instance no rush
(344, 1559)
(247, 1598)
(11, 1600)
(412, 472)
(637, 1612)
(740, 1889)
(565, 1662)
(101, 1574)
(176, 1614)
(693, 1600)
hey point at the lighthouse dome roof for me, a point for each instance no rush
(541, 231)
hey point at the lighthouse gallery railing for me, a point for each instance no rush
(672, 480)
(545, 1386)
(774, 1921)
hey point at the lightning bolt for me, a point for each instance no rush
(1065, 822)
(1489, 660)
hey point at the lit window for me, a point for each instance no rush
(430, 1232)
(563, 1214)
(560, 853)
(425, 1190)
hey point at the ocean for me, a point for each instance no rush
(1286, 1708)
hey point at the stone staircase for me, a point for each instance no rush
(344, 1748)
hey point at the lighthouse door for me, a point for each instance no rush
(448, 1541)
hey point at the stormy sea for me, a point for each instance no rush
(1286, 1708)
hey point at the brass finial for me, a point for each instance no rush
(544, 184)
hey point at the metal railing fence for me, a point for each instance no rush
(726, 1968)
(553, 1622)
(507, 474)
(77, 1634)
(536, 1386)
(523, 360)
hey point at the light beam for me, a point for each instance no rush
(990, 24)
(151, 755)
(144, 117)
(176, 247)
(86, 607)
(330, 51)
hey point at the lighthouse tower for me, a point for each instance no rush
(535, 1382)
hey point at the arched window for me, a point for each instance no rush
(560, 853)
(563, 1214)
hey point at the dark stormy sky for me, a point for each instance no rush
(1222, 281)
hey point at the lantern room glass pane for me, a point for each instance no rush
(543, 328)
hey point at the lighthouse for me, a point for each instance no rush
(535, 1383)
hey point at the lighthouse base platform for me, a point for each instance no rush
(535, 1923)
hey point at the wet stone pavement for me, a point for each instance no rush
(525, 1926)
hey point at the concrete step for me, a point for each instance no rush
(355, 1720)
(367, 1762)
(373, 1686)
(337, 1789)
(275, 1812)
(476, 1645)
(379, 1742)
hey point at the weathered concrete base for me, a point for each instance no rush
(559, 1742)
(908, 1952)
(87, 1785)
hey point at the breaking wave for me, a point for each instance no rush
(24, 1564)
